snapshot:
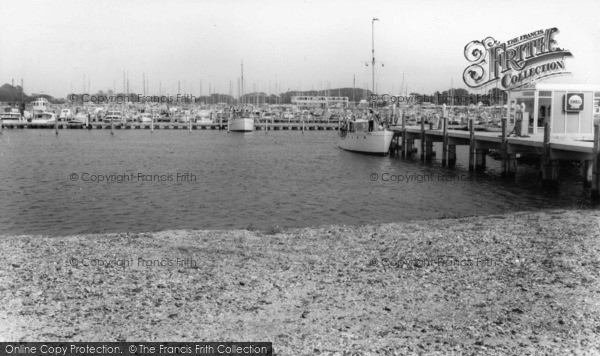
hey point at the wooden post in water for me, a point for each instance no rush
(445, 140)
(451, 155)
(588, 172)
(471, 144)
(190, 120)
(111, 126)
(422, 139)
(403, 135)
(480, 155)
(428, 150)
(549, 166)
(504, 150)
(56, 125)
(596, 164)
(152, 123)
(409, 147)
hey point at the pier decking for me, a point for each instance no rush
(550, 149)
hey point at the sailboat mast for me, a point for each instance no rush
(242, 82)
(373, 52)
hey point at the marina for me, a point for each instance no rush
(294, 178)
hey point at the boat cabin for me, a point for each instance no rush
(41, 104)
(571, 109)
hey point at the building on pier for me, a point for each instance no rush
(571, 109)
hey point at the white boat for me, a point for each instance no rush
(44, 118)
(11, 116)
(356, 137)
(240, 121)
(145, 118)
(203, 117)
(241, 124)
(81, 118)
(65, 115)
(114, 116)
(41, 105)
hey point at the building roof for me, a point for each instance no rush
(562, 87)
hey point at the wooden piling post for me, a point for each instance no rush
(480, 155)
(588, 172)
(471, 144)
(422, 139)
(549, 166)
(428, 150)
(511, 165)
(596, 164)
(445, 141)
(451, 155)
(403, 136)
(504, 150)
(409, 147)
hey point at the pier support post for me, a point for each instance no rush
(445, 141)
(428, 150)
(588, 172)
(403, 136)
(471, 144)
(480, 155)
(422, 139)
(596, 164)
(549, 166)
(451, 155)
(409, 147)
(511, 165)
(504, 151)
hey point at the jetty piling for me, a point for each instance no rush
(549, 166)
(479, 144)
(596, 164)
(422, 139)
(445, 140)
(404, 151)
(471, 144)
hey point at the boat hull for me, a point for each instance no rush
(376, 142)
(241, 125)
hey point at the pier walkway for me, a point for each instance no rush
(550, 150)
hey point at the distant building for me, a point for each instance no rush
(303, 102)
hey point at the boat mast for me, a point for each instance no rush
(242, 81)
(373, 53)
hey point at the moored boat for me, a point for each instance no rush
(356, 137)
(44, 118)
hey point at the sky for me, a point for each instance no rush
(284, 45)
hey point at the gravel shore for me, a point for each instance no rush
(512, 284)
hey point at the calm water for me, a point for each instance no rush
(281, 178)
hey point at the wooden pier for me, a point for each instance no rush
(550, 150)
(291, 126)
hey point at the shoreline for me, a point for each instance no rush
(497, 284)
